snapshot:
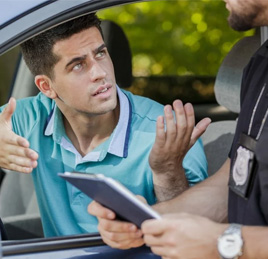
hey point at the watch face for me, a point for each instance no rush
(230, 245)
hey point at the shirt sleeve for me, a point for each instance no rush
(195, 164)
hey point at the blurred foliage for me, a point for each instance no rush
(177, 48)
(176, 37)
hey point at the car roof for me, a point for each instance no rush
(21, 19)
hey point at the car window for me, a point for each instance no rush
(8, 63)
(177, 48)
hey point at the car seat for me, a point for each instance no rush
(18, 203)
(218, 138)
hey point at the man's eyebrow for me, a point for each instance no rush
(76, 59)
(101, 47)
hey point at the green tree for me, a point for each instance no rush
(176, 37)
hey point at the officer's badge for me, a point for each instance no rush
(241, 166)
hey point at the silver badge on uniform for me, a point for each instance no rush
(241, 166)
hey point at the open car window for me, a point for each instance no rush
(174, 54)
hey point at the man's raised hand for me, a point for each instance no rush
(15, 153)
(176, 133)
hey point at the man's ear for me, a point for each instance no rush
(44, 84)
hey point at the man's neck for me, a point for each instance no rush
(87, 132)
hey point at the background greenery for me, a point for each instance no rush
(177, 48)
(176, 37)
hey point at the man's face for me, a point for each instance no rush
(246, 14)
(84, 79)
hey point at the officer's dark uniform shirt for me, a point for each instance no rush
(253, 209)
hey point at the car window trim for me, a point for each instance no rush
(50, 244)
(66, 15)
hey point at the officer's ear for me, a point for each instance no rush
(44, 84)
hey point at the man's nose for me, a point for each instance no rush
(97, 72)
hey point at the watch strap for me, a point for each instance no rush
(233, 229)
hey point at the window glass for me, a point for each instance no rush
(177, 48)
(8, 62)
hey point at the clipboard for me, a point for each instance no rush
(113, 195)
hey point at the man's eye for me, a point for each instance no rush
(100, 54)
(77, 66)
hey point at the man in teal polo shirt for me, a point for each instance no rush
(82, 121)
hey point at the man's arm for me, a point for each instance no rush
(15, 153)
(170, 147)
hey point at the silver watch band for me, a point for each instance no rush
(233, 228)
(232, 236)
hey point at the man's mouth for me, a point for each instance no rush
(103, 90)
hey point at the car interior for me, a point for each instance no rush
(22, 219)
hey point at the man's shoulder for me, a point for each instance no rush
(38, 104)
(144, 107)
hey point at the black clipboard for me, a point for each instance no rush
(112, 195)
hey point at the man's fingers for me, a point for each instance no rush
(14, 150)
(121, 243)
(117, 226)
(121, 239)
(9, 110)
(189, 110)
(171, 130)
(199, 129)
(31, 154)
(22, 161)
(22, 141)
(9, 137)
(21, 151)
(160, 132)
(97, 210)
(141, 198)
(22, 169)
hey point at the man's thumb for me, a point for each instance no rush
(9, 109)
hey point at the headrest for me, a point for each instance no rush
(119, 50)
(229, 77)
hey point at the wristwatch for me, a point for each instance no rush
(230, 243)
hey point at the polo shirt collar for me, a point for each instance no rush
(119, 139)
